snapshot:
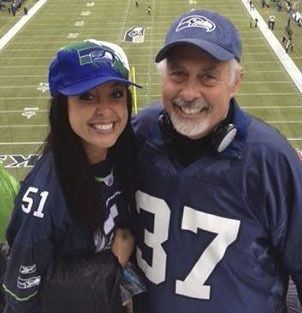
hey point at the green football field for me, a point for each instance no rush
(268, 90)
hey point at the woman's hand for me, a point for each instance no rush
(123, 245)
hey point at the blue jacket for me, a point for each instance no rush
(42, 227)
(223, 234)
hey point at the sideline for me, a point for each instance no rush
(284, 58)
(24, 19)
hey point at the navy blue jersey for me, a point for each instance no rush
(42, 227)
(223, 234)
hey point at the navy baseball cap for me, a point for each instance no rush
(207, 30)
(84, 65)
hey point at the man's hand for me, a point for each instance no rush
(123, 245)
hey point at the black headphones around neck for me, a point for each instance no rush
(221, 137)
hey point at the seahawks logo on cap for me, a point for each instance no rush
(91, 53)
(95, 55)
(196, 21)
(101, 56)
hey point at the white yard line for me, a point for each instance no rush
(21, 143)
(255, 107)
(24, 19)
(266, 93)
(284, 58)
(254, 94)
(266, 82)
(284, 122)
(23, 125)
(20, 111)
(15, 76)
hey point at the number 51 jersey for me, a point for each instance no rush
(221, 235)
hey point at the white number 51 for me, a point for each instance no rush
(28, 202)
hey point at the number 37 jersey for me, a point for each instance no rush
(221, 235)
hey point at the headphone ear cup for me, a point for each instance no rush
(223, 136)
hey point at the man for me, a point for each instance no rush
(271, 22)
(252, 7)
(219, 196)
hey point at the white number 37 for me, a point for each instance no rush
(194, 284)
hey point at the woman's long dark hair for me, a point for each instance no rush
(74, 170)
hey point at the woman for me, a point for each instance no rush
(76, 200)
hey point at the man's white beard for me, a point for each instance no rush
(195, 128)
(192, 129)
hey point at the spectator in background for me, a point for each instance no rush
(263, 4)
(13, 9)
(252, 7)
(253, 23)
(287, 38)
(288, 5)
(271, 22)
